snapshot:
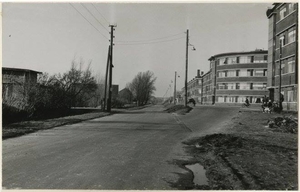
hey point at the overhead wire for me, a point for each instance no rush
(149, 42)
(100, 13)
(151, 39)
(88, 21)
(93, 16)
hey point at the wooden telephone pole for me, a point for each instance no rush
(110, 68)
(105, 85)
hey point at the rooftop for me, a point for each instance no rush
(18, 69)
(257, 51)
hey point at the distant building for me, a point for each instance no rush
(207, 88)
(232, 78)
(239, 75)
(16, 84)
(283, 28)
(194, 88)
(125, 96)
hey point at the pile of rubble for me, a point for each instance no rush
(284, 124)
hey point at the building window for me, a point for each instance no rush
(259, 73)
(256, 99)
(222, 86)
(281, 40)
(259, 59)
(221, 99)
(245, 59)
(230, 99)
(231, 60)
(282, 13)
(283, 68)
(250, 72)
(237, 86)
(222, 74)
(265, 72)
(290, 96)
(292, 7)
(231, 73)
(291, 35)
(241, 99)
(245, 86)
(243, 73)
(222, 61)
(259, 86)
(237, 73)
(291, 65)
(231, 86)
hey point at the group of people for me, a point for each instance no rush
(267, 105)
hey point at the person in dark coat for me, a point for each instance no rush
(247, 102)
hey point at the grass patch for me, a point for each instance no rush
(26, 127)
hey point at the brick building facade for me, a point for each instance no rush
(283, 31)
(239, 75)
(232, 78)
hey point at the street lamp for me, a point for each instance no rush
(175, 87)
(186, 63)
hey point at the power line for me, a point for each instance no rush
(149, 42)
(100, 13)
(152, 39)
(88, 21)
(94, 16)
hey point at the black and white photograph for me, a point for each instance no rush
(149, 95)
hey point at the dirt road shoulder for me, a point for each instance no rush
(245, 155)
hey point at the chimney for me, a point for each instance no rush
(198, 73)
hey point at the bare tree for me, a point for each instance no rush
(142, 87)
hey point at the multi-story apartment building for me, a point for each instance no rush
(283, 53)
(194, 88)
(239, 75)
(206, 88)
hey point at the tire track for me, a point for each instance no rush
(182, 125)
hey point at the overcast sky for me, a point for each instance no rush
(47, 37)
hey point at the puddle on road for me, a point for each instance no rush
(199, 174)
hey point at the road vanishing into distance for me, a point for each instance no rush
(130, 150)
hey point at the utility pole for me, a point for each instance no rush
(186, 66)
(175, 88)
(279, 87)
(105, 85)
(111, 66)
(202, 89)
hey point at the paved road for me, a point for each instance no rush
(131, 150)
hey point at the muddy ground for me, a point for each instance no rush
(245, 155)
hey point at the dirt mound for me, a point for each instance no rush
(180, 109)
(284, 124)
